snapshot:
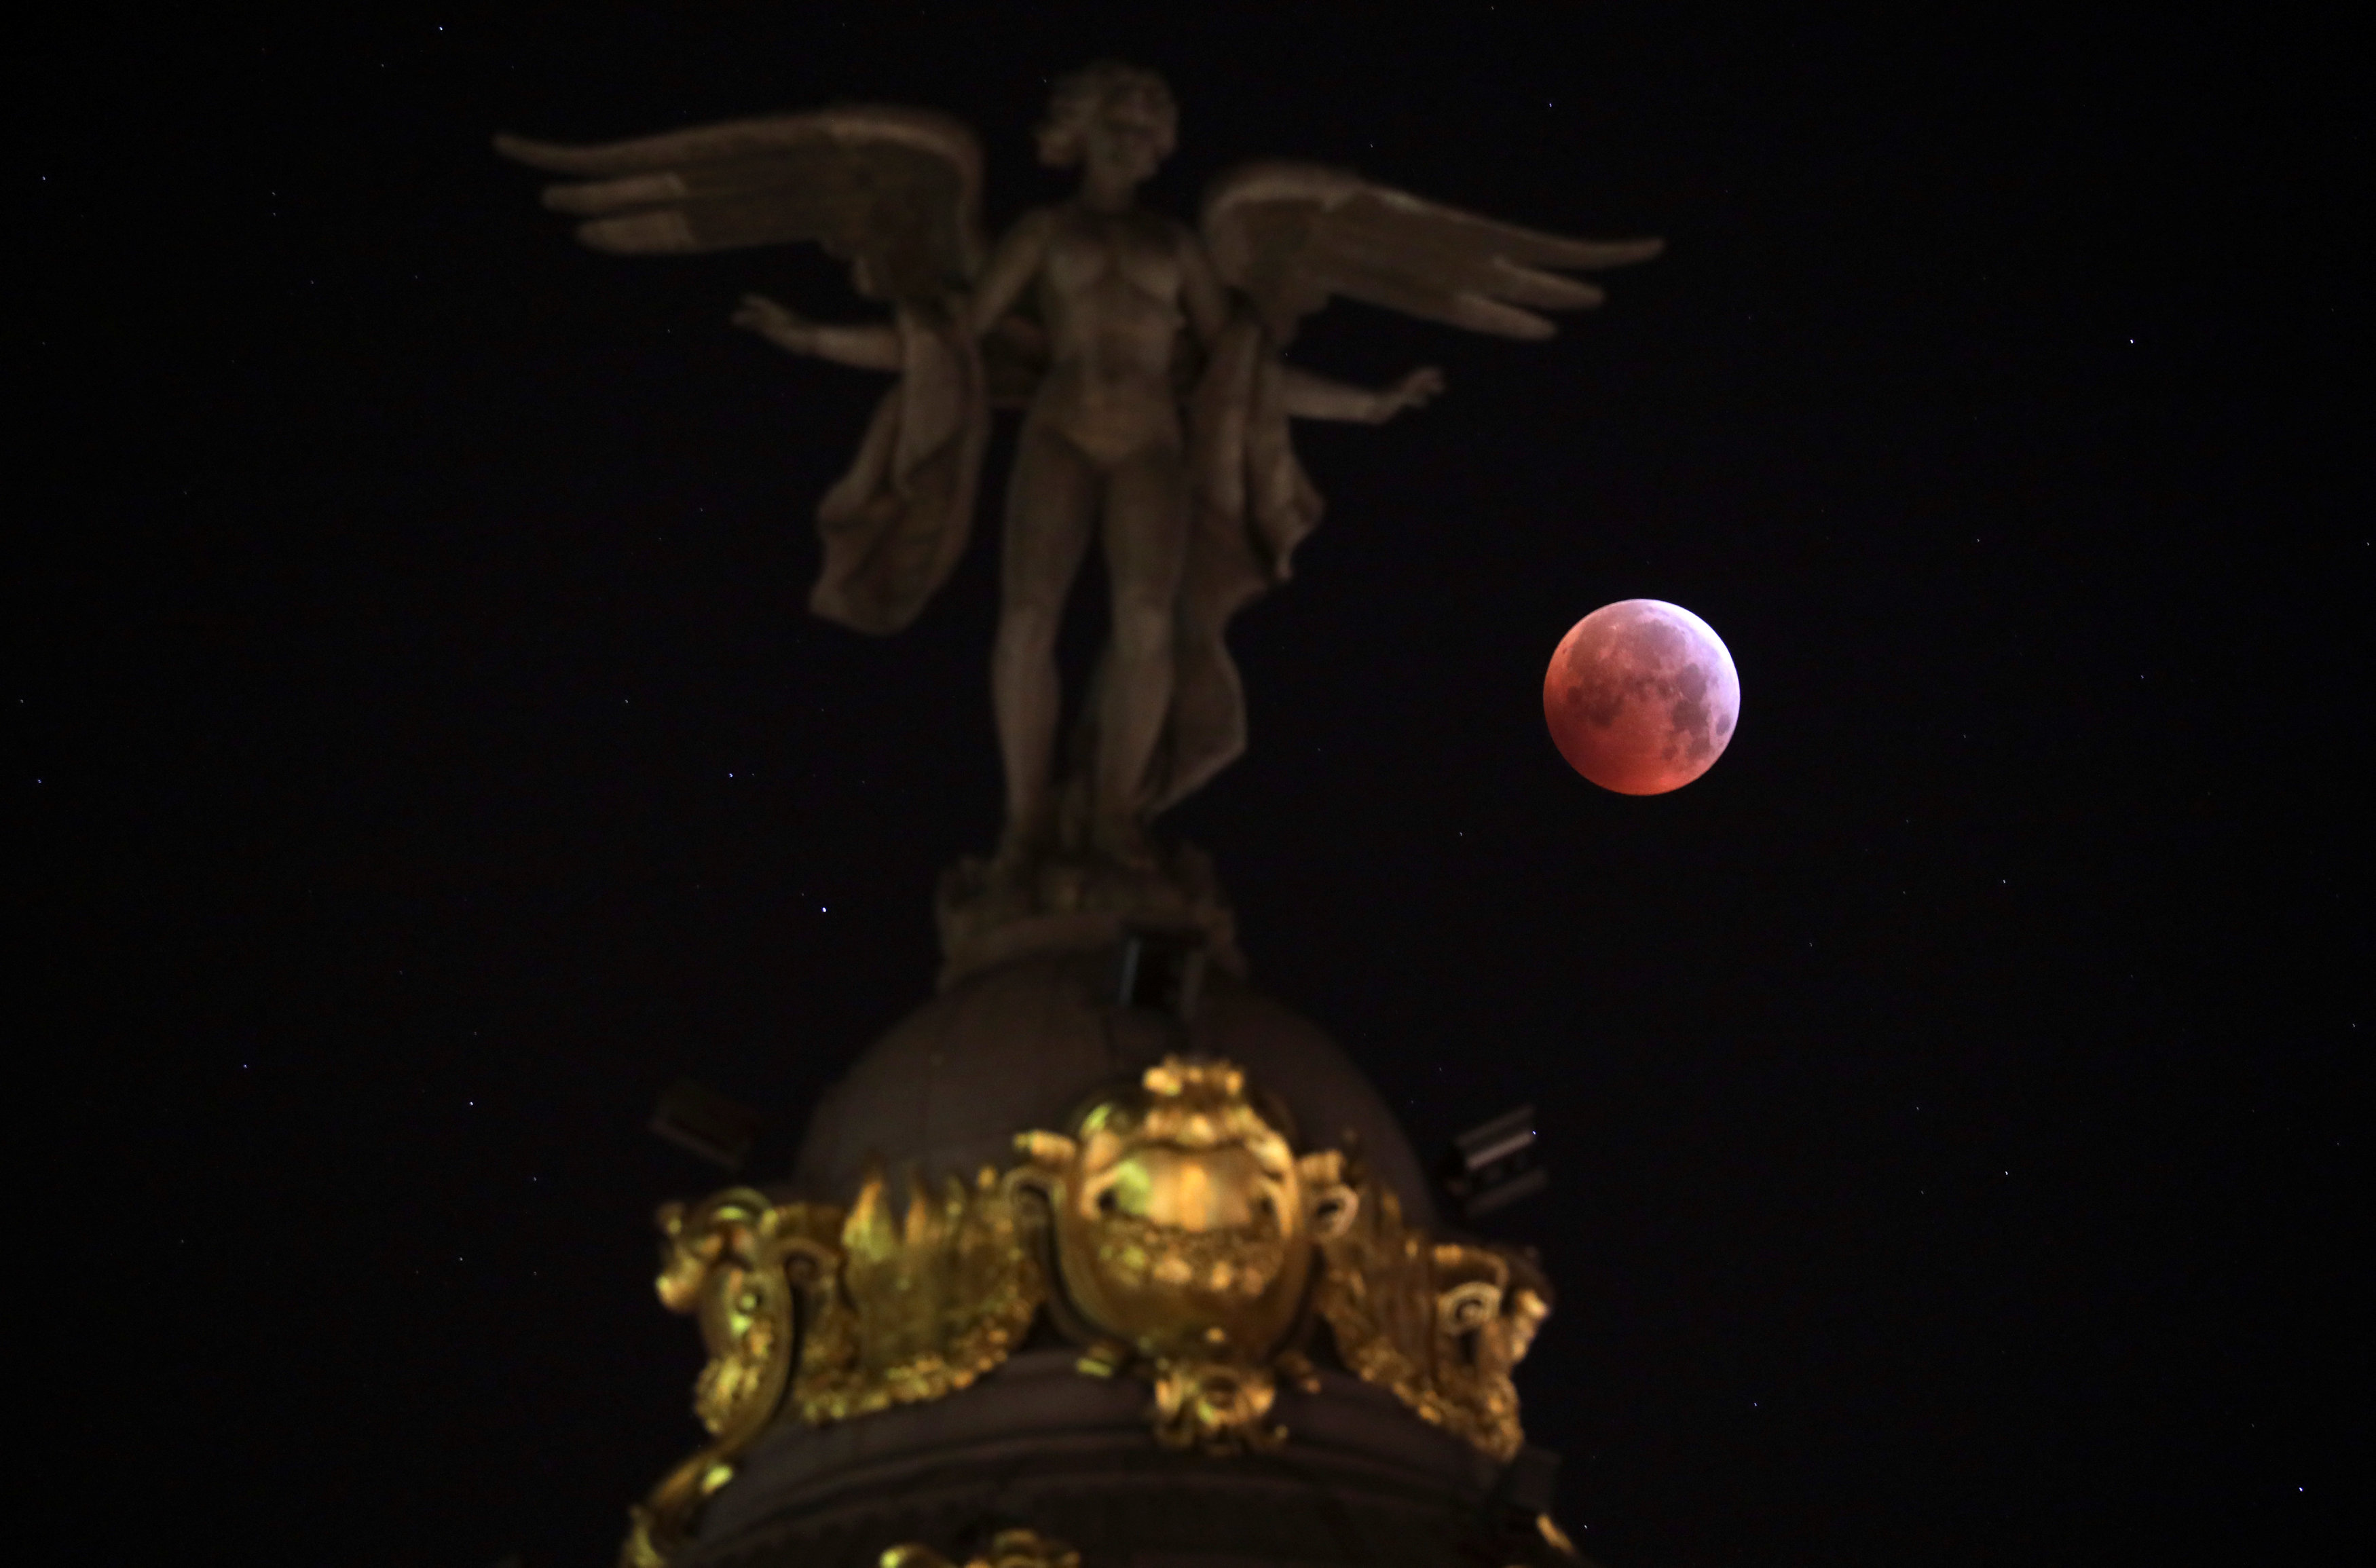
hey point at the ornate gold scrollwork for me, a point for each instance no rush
(735, 1261)
(926, 1301)
(1214, 1406)
(892, 1308)
(1186, 1231)
(1190, 1243)
(1008, 1549)
(1440, 1324)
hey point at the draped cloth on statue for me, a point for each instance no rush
(1250, 505)
(894, 526)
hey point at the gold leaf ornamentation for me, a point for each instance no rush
(1191, 1245)
(735, 1262)
(925, 1302)
(1185, 1234)
(831, 1314)
(1440, 1324)
(1008, 1549)
(1215, 1407)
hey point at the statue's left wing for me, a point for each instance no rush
(1292, 236)
(895, 191)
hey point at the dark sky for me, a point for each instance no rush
(423, 755)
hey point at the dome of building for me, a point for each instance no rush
(1024, 1045)
(1036, 1442)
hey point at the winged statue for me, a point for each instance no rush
(1146, 357)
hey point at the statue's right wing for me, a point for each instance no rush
(895, 191)
(1288, 238)
(1292, 236)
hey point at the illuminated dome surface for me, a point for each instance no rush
(1361, 1479)
(1022, 1046)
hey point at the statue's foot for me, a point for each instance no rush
(1123, 842)
(1024, 845)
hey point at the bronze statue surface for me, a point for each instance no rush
(1144, 355)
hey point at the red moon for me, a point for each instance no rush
(1641, 697)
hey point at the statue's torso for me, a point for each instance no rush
(1108, 292)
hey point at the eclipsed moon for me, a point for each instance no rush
(1641, 697)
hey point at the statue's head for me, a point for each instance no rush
(1112, 114)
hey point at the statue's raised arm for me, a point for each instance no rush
(897, 193)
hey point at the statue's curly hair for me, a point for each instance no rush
(1080, 94)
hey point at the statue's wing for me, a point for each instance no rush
(895, 191)
(1291, 236)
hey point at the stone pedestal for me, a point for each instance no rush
(990, 913)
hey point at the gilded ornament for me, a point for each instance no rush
(873, 1308)
(736, 1262)
(1191, 1242)
(1215, 1407)
(1008, 1549)
(1441, 1324)
(923, 1304)
(1185, 1233)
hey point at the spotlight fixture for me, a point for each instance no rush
(698, 1119)
(1495, 1165)
(1160, 971)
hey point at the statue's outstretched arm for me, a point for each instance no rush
(1309, 397)
(1290, 237)
(893, 192)
(866, 346)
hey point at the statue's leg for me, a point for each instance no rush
(1147, 549)
(1050, 510)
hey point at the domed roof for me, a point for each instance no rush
(1362, 1481)
(1021, 1046)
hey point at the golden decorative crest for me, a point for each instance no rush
(1008, 1549)
(1191, 1245)
(1441, 1324)
(1185, 1234)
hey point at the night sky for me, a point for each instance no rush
(423, 753)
